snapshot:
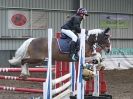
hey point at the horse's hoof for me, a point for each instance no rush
(87, 74)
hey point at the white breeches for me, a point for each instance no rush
(70, 34)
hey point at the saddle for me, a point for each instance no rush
(64, 44)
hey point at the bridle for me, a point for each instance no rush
(96, 42)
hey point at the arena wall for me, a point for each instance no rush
(55, 13)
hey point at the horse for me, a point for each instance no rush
(35, 50)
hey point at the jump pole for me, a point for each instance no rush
(73, 77)
(20, 89)
(18, 78)
(19, 69)
(47, 86)
(80, 82)
(96, 81)
(96, 77)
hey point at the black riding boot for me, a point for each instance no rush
(73, 52)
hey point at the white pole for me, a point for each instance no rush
(47, 87)
(80, 82)
(96, 81)
(73, 77)
(81, 3)
(30, 22)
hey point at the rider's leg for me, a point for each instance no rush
(70, 34)
(73, 51)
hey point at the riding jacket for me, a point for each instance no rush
(73, 24)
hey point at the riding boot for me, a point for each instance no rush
(73, 52)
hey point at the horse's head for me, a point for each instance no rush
(101, 38)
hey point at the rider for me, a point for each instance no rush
(71, 28)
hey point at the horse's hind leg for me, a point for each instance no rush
(24, 71)
(24, 67)
(31, 61)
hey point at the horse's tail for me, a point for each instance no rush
(20, 53)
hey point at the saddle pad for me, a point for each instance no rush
(64, 45)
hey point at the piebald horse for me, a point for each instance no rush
(35, 50)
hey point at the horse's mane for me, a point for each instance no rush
(95, 31)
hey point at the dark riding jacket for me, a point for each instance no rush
(73, 24)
